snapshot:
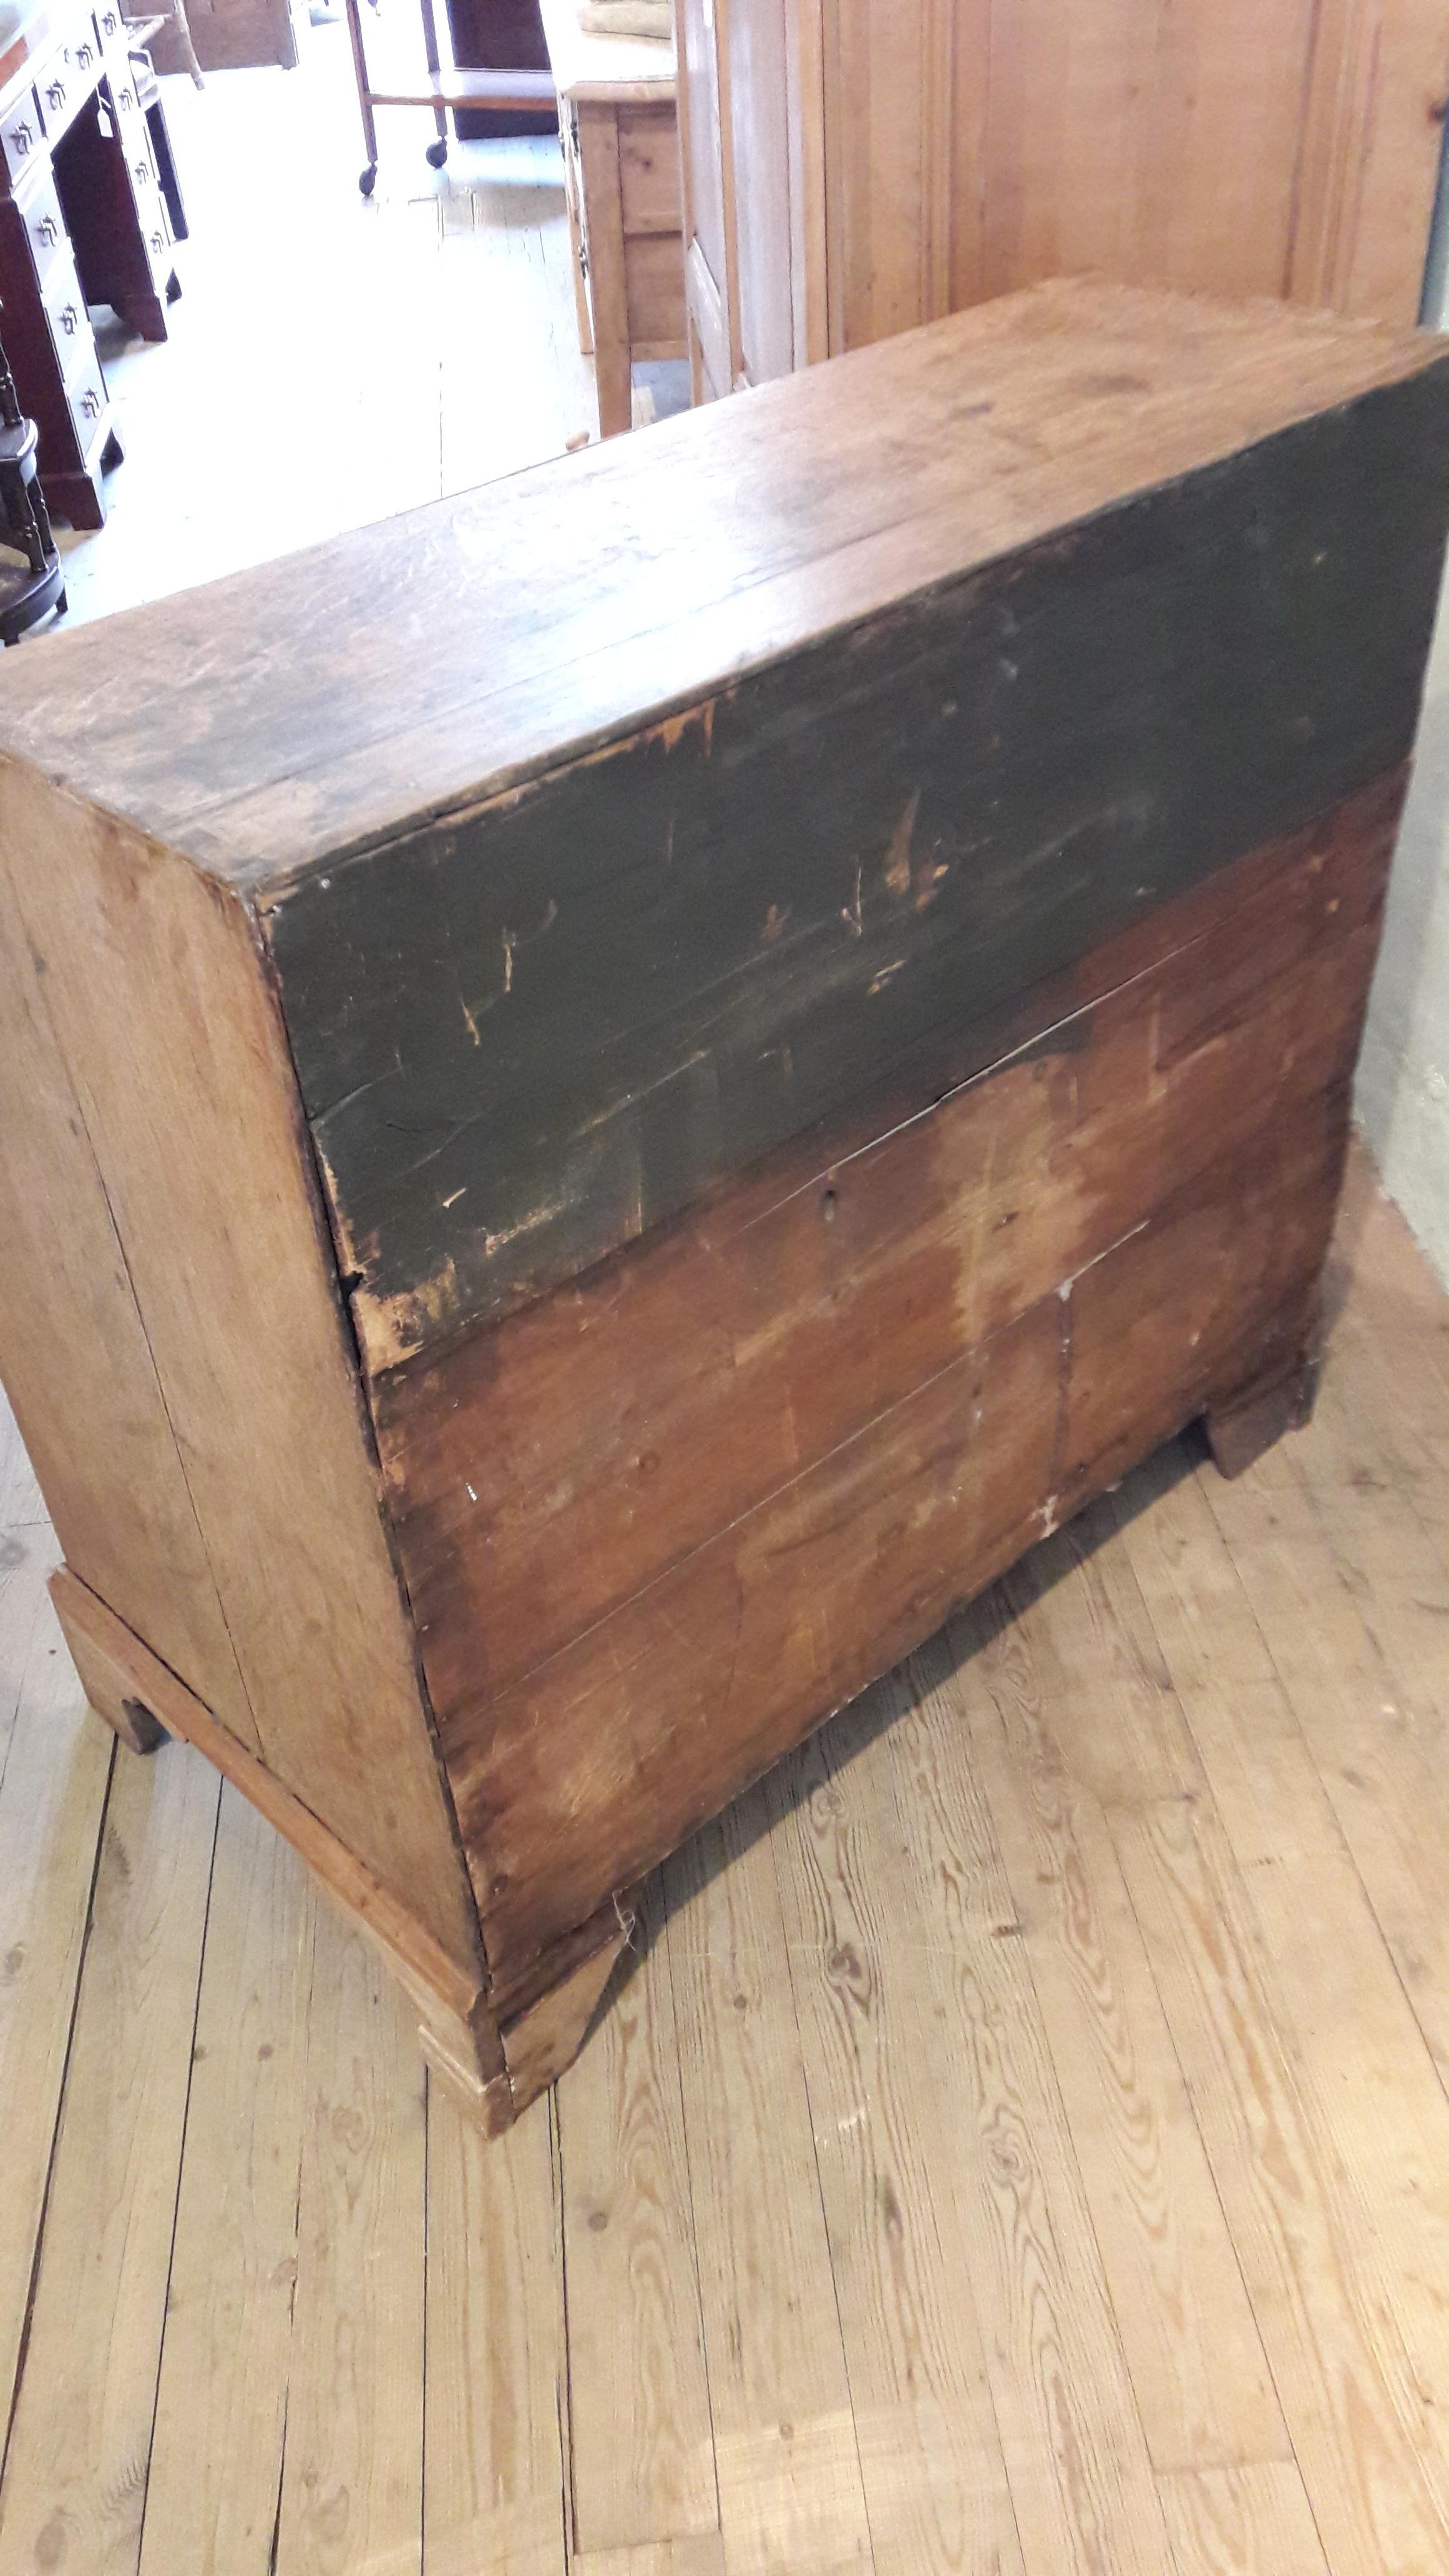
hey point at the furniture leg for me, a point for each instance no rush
(569, 128)
(436, 153)
(368, 179)
(608, 294)
(166, 170)
(109, 1689)
(494, 2054)
(1244, 1425)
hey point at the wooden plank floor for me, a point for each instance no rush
(1020, 2146)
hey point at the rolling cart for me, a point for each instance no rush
(510, 92)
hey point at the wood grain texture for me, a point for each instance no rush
(656, 539)
(883, 1981)
(417, 1960)
(495, 2493)
(780, 1393)
(640, 2431)
(221, 2405)
(225, 1253)
(526, 1039)
(1358, 2418)
(786, 2446)
(54, 1774)
(1198, 2372)
(75, 2474)
(935, 2481)
(61, 1230)
(1253, 2521)
(1372, 130)
(351, 2491)
(762, 1330)
(583, 1778)
(964, 148)
(1072, 2438)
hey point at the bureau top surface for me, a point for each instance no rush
(271, 722)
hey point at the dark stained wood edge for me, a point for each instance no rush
(611, 1402)
(540, 1030)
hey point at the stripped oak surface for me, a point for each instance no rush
(1017, 2150)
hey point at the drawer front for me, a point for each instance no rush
(60, 87)
(135, 139)
(150, 204)
(22, 136)
(87, 401)
(126, 100)
(39, 211)
(69, 321)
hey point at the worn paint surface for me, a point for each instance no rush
(526, 1036)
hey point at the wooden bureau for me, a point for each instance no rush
(581, 1158)
(82, 221)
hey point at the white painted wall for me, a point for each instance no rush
(1403, 1076)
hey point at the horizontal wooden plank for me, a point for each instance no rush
(603, 1761)
(527, 1037)
(586, 1772)
(321, 701)
(634, 1414)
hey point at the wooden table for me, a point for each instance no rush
(83, 221)
(613, 1095)
(621, 176)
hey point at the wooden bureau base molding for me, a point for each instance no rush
(494, 2069)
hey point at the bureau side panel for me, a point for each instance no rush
(74, 1357)
(662, 1521)
(157, 996)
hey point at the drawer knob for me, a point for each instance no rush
(55, 94)
(125, 98)
(70, 319)
(142, 172)
(47, 231)
(90, 402)
(85, 55)
(21, 138)
(158, 243)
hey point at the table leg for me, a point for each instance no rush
(364, 98)
(436, 153)
(608, 288)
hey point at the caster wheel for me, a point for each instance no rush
(368, 180)
(437, 153)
